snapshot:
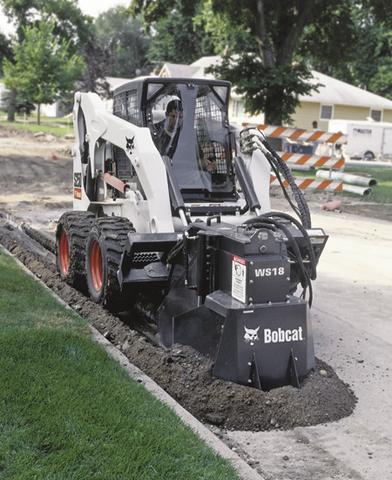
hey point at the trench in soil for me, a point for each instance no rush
(183, 372)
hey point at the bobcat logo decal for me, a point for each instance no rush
(251, 335)
(130, 144)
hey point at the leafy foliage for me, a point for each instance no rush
(263, 36)
(270, 45)
(69, 21)
(276, 93)
(328, 44)
(177, 30)
(95, 59)
(216, 23)
(381, 83)
(355, 47)
(265, 71)
(380, 10)
(123, 43)
(43, 66)
(5, 50)
(69, 24)
(372, 63)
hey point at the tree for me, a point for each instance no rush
(177, 30)
(328, 45)
(43, 66)
(270, 72)
(122, 42)
(269, 46)
(367, 54)
(95, 59)
(260, 40)
(381, 10)
(70, 24)
(381, 83)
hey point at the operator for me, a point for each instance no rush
(167, 131)
(208, 158)
(213, 157)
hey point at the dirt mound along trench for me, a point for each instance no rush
(186, 375)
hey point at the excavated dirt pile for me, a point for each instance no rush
(185, 374)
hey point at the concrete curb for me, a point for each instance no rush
(243, 469)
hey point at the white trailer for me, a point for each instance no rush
(365, 139)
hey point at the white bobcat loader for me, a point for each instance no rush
(169, 219)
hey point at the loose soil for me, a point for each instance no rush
(185, 374)
(36, 177)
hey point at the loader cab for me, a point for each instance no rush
(188, 122)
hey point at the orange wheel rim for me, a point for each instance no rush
(96, 265)
(64, 253)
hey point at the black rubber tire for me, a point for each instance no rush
(111, 235)
(76, 226)
(369, 156)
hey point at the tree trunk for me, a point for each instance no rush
(273, 107)
(39, 114)
(266, 49)
(272, 118)
(289, 46)
(11, 106)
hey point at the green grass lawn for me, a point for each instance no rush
(381, 193)
(54, 126)
(68, 411)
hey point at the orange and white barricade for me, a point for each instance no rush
(312, 161)
(301, 135)
(312, 184)
(297, 135)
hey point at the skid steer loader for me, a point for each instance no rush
(172, 215)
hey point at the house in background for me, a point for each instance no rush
(333, 100)
(339, 100)
(53, 110)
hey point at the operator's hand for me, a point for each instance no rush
(251, 139)
(211, 166)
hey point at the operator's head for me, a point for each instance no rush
(173, 115)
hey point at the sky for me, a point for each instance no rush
(87, 6)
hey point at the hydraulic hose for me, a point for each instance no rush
(298, 195)
(305, 277)
(258, 140)
(300, 227)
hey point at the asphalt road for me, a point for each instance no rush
(352, 324)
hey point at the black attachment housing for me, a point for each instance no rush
(232, 298)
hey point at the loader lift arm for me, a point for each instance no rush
(141, 152)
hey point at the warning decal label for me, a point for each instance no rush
(78, 193)
(238, 279)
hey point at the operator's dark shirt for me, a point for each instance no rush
(165, 142)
